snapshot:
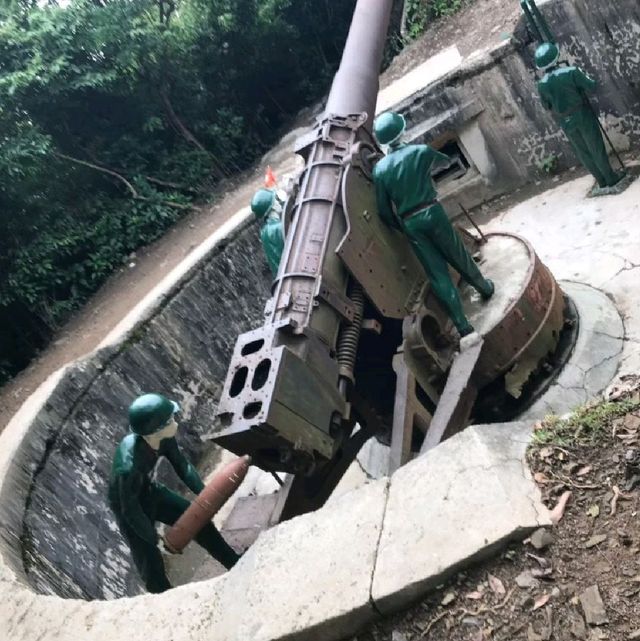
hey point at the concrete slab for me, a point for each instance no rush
(309, 578)
(374, 458)
(454, 505)
(353, 478)
(189, 613)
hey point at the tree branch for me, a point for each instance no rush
(177, 123)
(121, 178)
(218, 169)
(104, 170)
(166, 183)
(151, 179)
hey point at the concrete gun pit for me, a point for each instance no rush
(566, 263)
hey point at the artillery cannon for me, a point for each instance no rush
(354, 344)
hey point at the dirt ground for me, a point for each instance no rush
(112, 302)
(578, 581)
(469, 30)
(151, 264)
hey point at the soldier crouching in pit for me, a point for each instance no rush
(267, 207)
(138, 501)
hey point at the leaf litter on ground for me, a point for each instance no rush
(581, 454)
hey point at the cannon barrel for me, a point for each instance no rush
(319, 221)
(284, 400)
(355, 86)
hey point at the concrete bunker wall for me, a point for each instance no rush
(57, 529)
(490, 107)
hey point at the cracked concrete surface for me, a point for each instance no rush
(384, 542)
(323, 575)
(475, 490)
(327, 558)
(595, 359)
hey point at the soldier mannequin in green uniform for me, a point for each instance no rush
(562, 90)
(266, 206)
(138, 501)
(403, 181)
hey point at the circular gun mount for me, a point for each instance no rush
(526, 332)
(413, 388)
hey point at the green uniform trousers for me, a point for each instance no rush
(437, 244)
(272, 238)
(161, 504)
(585, 138)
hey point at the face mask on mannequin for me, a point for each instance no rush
(168, 431)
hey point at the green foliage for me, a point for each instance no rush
(548, 165)
(585, 426)
(420, 13)
(116, 114)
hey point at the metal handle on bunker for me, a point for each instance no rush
(473, 222)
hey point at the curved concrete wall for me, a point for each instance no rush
(57, 530)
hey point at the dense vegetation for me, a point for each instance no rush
(116, 114)
(420, 13)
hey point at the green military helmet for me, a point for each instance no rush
(388, 127)
(150, 413)
(262, 202)
(547, 55)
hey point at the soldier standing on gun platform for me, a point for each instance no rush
(138, 501)
(266, 206)
(562, 91)
(403, 180)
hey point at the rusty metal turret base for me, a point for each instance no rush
(520, 328)
(522, 323)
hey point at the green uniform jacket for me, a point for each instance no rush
(130, 484)
(403, 177)
(272, 239)
(561, 91)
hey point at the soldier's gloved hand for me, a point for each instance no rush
(165, 548)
